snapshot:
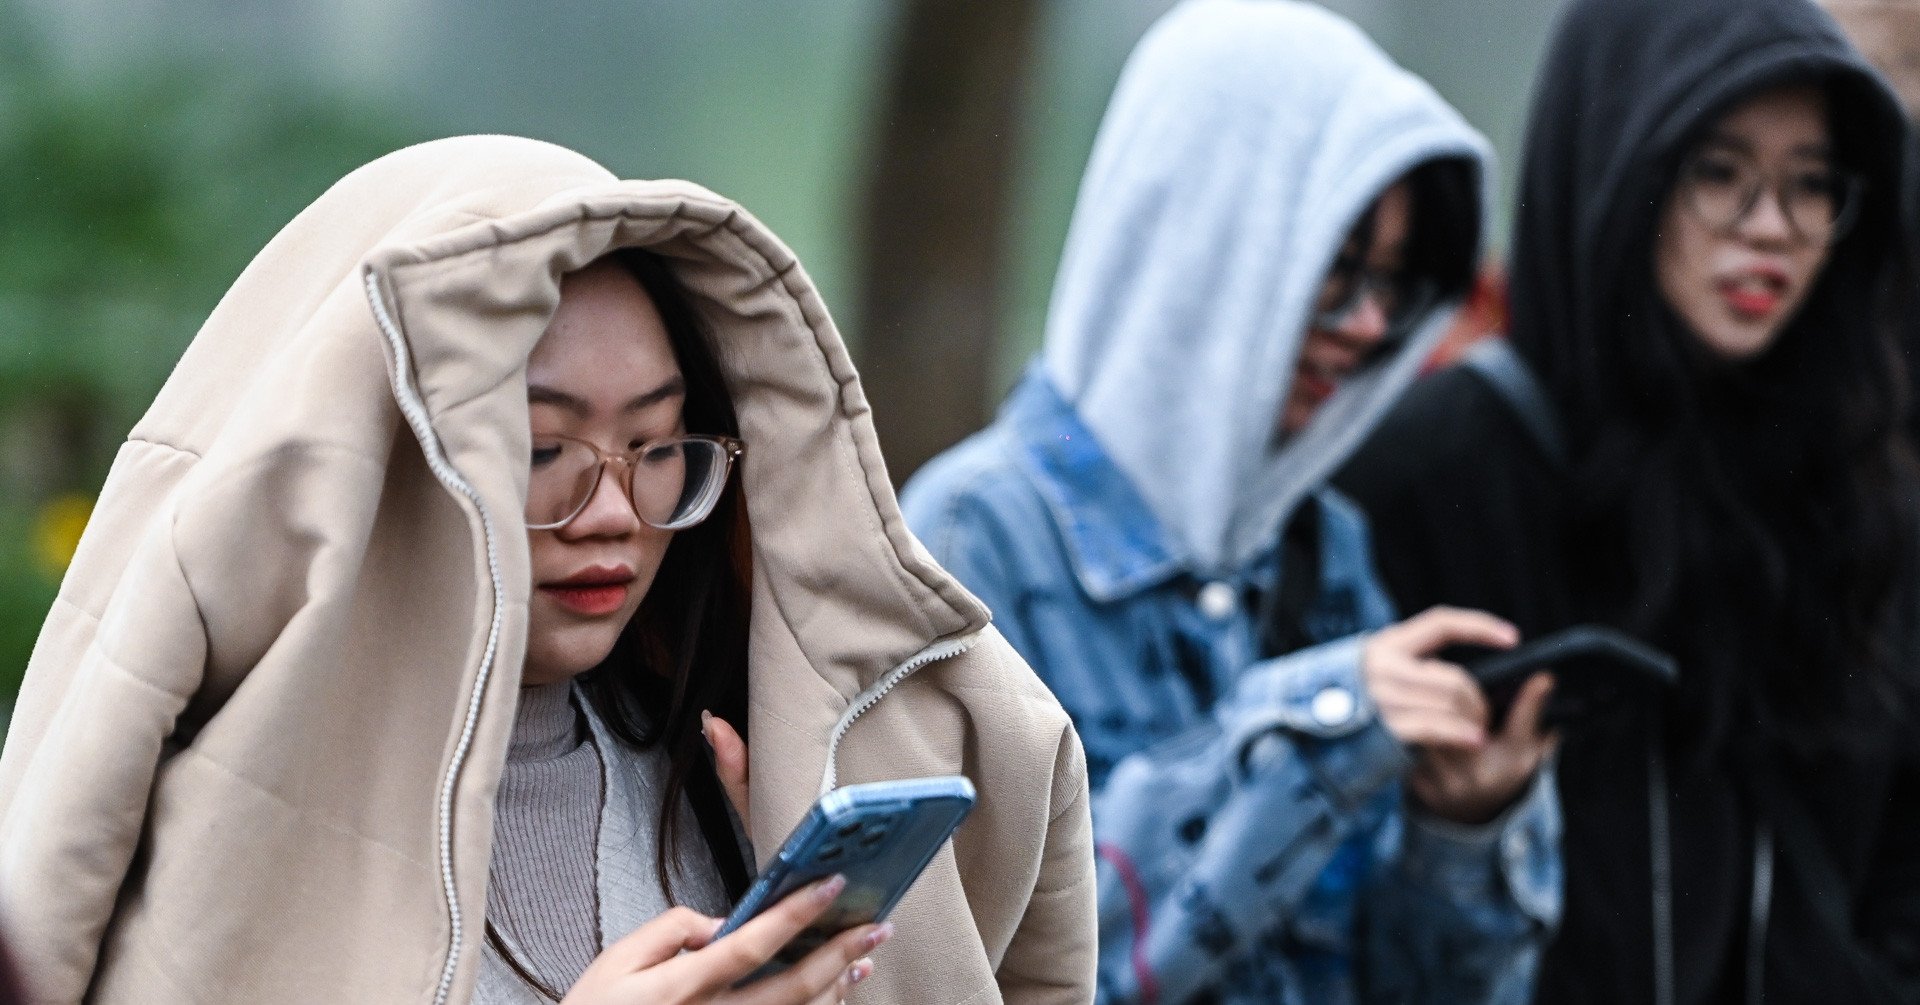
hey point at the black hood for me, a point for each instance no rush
(1624, 88)
(1745, 516)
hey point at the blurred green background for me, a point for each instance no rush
(921, 158)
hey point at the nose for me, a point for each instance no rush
(1366, 325)
(1767, 223)
(609, 513)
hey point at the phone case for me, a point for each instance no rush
(1596, 670)
(879, 835)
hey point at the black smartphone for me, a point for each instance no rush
(1596, 670)
(879, 835)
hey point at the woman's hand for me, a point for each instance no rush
(729, 762)
(1474, 786)
(1438, 709)
(649, 966)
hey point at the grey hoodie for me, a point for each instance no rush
(1119, 518)
(1221, 186)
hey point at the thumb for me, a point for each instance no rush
(1529, 706)
(659, 940)
(729, 759)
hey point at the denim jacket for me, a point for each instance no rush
(1252, 841)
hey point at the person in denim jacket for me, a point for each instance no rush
(1295, 799)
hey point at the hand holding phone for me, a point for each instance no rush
(879, 835)
(1463, 770)
(672, 960)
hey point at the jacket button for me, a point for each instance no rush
(1333, 706)
(1217, 600)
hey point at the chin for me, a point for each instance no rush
(1738, 346)
(572, 653)
(1737, 340)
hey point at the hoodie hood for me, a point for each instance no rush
(1242, 143)
(1625, 87)
(301, 601)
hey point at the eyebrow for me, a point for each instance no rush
(540, 394)
(1823, 151)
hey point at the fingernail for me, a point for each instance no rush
(860, 971)
(830, 887)
(876, 937)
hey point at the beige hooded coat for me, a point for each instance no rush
(256, 752)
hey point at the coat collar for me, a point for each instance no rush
(1114, 544)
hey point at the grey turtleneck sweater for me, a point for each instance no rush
(576, 828)
(542, 893)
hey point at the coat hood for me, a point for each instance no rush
(1624, 89)
(290, 639)
(1243, 141)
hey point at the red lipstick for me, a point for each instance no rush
(1754, 294)
(595, 591)
(1315, 387)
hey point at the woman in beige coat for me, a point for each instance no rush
(296, 725)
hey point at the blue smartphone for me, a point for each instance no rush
(879, 835)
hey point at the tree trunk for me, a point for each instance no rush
(935, 225)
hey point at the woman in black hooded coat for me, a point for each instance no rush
(1749, 507)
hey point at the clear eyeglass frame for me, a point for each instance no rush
(694, 503)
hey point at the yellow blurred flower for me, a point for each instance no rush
(56, 532)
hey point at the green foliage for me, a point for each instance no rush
(127, 205)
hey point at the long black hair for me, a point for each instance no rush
(685, 651)
(1758, 518)
(1755, 519)
(1446, 225)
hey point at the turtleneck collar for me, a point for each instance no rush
(546, 725)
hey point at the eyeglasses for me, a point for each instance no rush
(673, 483)
(1401, 300)
(1722, 189)
(1350, 282)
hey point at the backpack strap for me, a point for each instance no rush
(1500, 368)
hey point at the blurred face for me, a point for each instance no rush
(1747, 227)
(1360, 300)
(603, 373)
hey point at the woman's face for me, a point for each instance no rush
(604, 373)
(1356, 309)
(1736, 269)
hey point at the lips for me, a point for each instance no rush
(594, 591)
(1313, 385)
(1754, 294)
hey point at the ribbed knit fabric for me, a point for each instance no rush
(542, 892)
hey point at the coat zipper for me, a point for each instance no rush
(415, 411)
(865, 700)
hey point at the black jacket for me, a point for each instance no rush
(1469, 509)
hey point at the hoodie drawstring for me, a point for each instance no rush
(1660, 830)
(1760, 906)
